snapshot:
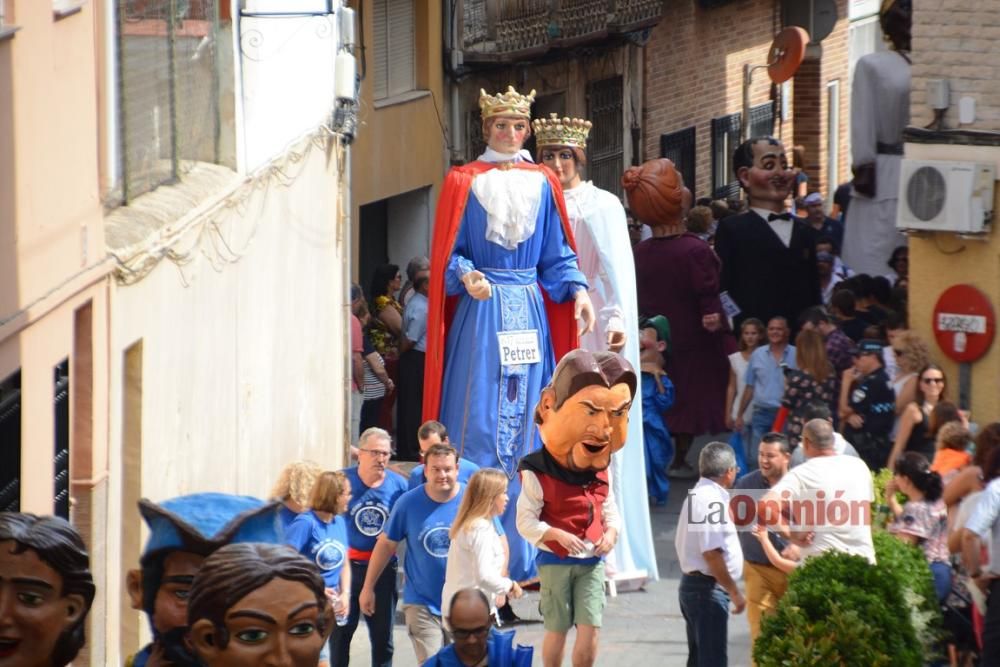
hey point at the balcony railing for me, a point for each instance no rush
(509, 30)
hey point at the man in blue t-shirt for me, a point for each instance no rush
(435, 433)
(423, 518)
(374, 492)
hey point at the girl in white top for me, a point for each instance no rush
(751, 337)
(476, 557)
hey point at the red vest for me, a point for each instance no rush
(574, 508)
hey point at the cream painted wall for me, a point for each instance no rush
(243, 363)
(938, 261)
(58, 212)
(243, 366)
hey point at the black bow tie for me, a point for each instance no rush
(779, 216)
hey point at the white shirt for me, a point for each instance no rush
(840, 478)
(706, 524)
(983, 522)
(475, 560)
(781, 227)
(529, 511)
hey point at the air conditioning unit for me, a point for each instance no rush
(946, 196)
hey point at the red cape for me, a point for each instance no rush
(440, 309)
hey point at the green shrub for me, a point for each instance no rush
(841, 610)
(908, 564)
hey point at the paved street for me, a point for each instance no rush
(640, 628)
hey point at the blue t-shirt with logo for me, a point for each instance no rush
(325, 544)
(466, 469)
(369, 508)
(424, 524)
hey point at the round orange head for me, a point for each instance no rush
(655, 193)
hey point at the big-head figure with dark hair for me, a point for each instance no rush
(184, 531)
(567, 506)
(768, 255)
(45, 590)
(256, 605)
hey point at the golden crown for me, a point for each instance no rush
(510, 103)
(556, 131)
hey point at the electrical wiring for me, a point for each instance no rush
(209, 234)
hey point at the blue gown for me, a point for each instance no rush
(656, 436)
(488, 408)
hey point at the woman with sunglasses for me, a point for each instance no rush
(914, 432)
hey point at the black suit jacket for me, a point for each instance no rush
(762, 276)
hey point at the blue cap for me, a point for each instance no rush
(202, 522)
(869, 346)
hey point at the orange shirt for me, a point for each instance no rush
(948, 460)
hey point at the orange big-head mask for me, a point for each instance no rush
(655, 192)
(583, 413)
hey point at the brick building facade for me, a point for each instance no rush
(694, 92)
(957, 42)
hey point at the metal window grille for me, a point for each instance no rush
(61, 455)
(168, 90)
(762, 120)
(679, 147)
(725, 138)
(605, 146)
(10, 443)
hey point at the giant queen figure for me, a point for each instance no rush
(505, 294)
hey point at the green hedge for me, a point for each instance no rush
(841, 610)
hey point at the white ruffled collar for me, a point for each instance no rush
(493, 156)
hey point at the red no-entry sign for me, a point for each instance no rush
(963, 323)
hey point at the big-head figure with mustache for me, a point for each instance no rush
(768, 255)
(567, 506)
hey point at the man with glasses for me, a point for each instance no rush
(423, 518)
(374, 492)
(475, 642)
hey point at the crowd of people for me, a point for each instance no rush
(507, 368)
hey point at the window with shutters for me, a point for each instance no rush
(168, 90)
(605, 146)
(725, 138)
(679, 147)
(393, 25)
(762, 120)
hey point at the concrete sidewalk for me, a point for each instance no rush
(640, 628)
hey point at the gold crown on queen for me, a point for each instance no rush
(556, 131)
(510, 103)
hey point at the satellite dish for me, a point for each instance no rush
(786, 54)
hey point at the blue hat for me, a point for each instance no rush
(202, 522)
(813, 198)
(868, 346)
